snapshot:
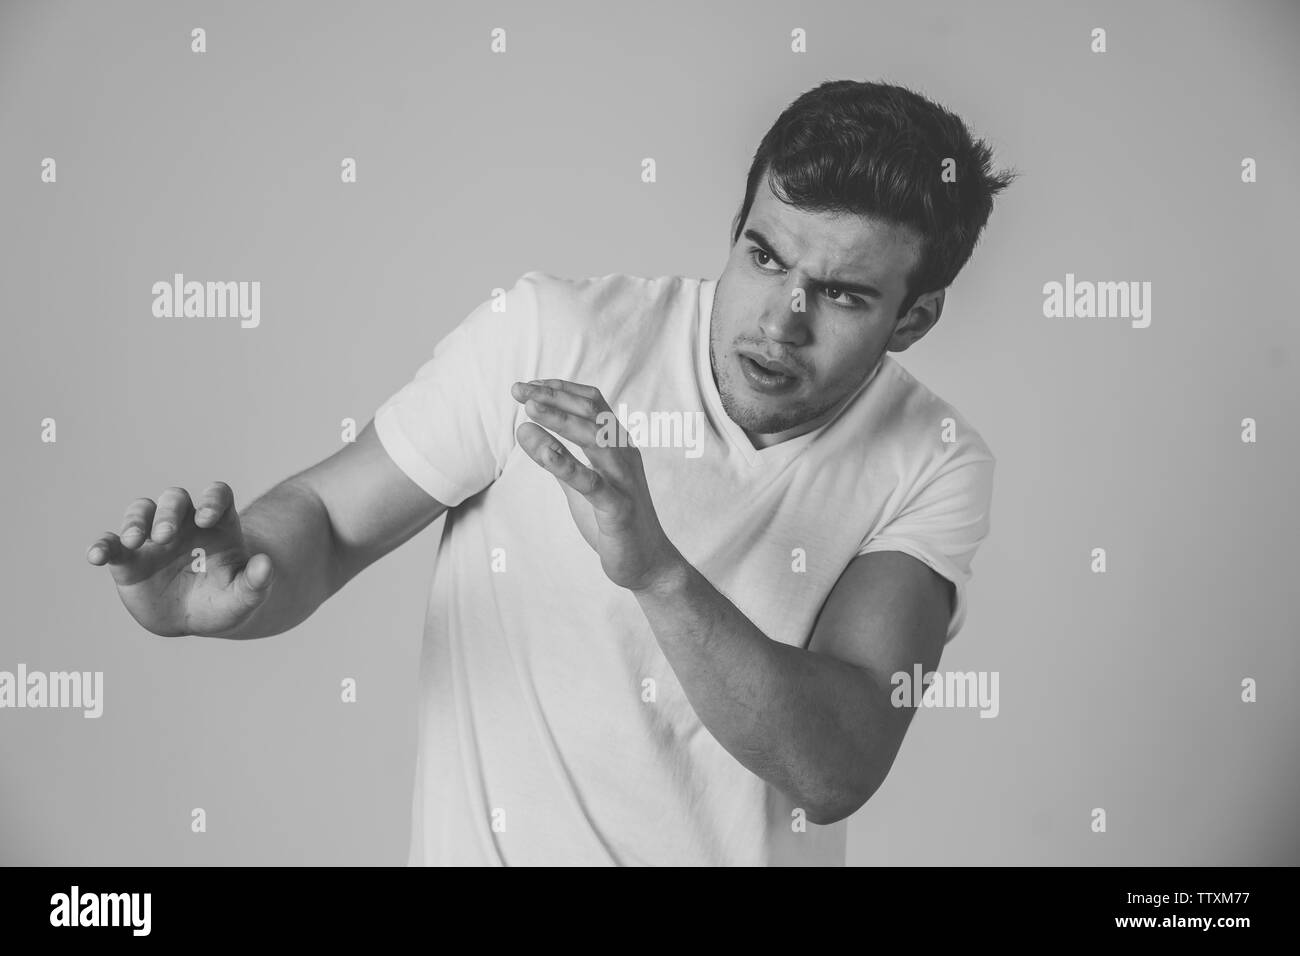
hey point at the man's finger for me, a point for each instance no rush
(581, 431)
(214, 505)
(584, 420)
(174, 511)
(251, 585)
(136, 523)
(107, 549)
(573, 388)
(550, 392)
(547, 450)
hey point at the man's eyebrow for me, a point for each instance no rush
(756, 237)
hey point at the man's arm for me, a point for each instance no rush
(815, 723)
(199, 567)
(325, 525)
(202, 567)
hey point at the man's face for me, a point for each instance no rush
(778, 368)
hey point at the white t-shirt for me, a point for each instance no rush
(552, 730)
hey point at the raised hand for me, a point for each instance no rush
(610, 501)
(152, 559)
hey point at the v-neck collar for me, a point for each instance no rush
(779, 453)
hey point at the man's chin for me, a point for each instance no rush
(761, 421)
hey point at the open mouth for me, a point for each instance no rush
(764, 378)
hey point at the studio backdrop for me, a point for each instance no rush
(379, 169)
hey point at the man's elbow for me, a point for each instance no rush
(839, 803)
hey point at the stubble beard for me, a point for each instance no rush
(731, 388)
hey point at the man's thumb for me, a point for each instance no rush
(254, 580)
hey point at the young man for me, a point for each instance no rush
(693, 526)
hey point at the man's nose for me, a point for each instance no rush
(782, 322)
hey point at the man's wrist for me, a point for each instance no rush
(671, 580)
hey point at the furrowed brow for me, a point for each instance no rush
(844, 285)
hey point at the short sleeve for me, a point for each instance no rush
(451, 427)
(943, 525)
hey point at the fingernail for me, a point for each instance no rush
(162, 529)
(204, 514)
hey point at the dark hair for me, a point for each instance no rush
(876, 149)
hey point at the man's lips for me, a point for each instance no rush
(769, 365)
(766, 376)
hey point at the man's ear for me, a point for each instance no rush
(919, 320)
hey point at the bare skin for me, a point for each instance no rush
(268, 569)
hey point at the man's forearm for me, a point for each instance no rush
(291, 525)
(807, 723)
(817, 728)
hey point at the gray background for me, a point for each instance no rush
(1119, 691)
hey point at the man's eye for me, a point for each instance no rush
(755, 253)
(847, 302)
